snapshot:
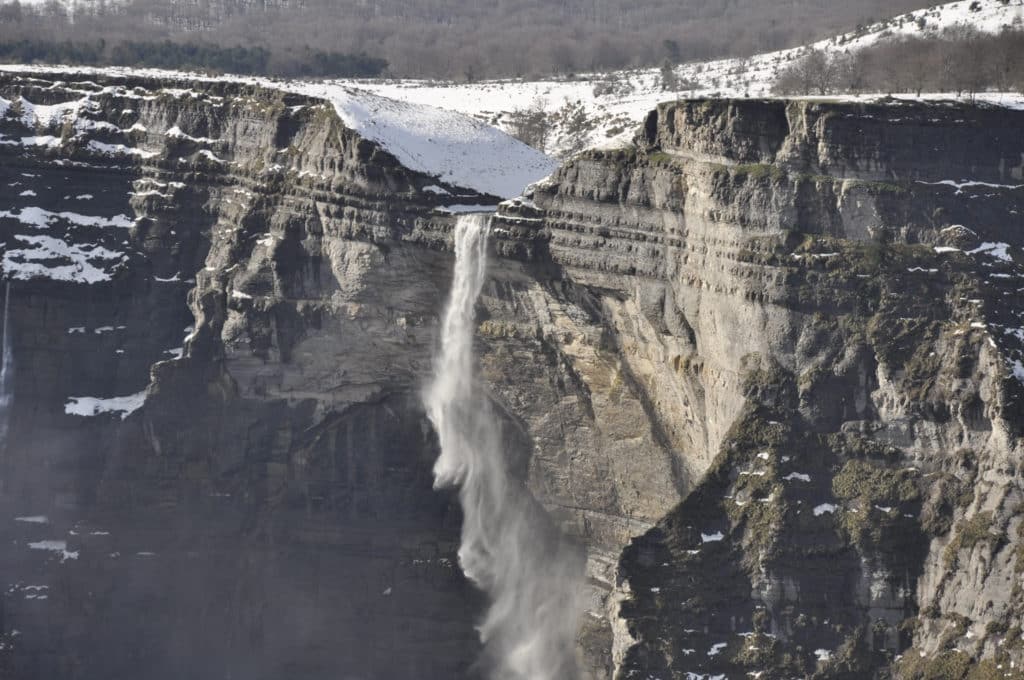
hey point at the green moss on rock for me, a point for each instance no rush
(947, 665)
(970, 533)
(875, 484)
(876, 498)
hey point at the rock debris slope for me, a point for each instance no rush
(765, 364)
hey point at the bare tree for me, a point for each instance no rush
(816, 72)
(531, 125)
(11, 12)
(961, 61)
(851, 74)
(821, 70)
(918, 62)
(576, 127)
(669, 80)
(1008, 61)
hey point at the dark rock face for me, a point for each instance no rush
(258, 519)
(731, 359)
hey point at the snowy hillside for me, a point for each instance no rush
(616, 103)
(454, 147)
(455, 131)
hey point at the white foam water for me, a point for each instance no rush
(510, 549)
(6, 368)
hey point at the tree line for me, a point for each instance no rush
(193, 57)
(960, 61)
(454, 39)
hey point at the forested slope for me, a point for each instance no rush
(449, 38)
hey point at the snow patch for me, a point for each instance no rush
(48, 141)
(60, 547)
(119, 150)
(210, 156)
(967, 184)
(467, 208)
(1000, 251)
(94, 406)
(40, 218)
(29, 263)
(453, 147)
(1017, 368)
(176, 133)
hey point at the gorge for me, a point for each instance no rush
(762, 369)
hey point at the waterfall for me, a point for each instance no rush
(510, 549)
(6, 367)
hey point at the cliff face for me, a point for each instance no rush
(762, 365)
(269, 277)
(824, 337)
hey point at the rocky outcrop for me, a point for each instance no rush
(762, 364)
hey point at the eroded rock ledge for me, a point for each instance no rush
(762, 363)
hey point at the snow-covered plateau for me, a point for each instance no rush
(615, 111)
(455, 131)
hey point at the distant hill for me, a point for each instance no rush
(465, 39)
(605, 108)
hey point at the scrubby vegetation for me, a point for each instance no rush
(960, 61)
(971, 532)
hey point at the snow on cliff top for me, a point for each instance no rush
(456, 148)
(987, 16)
(446, 144)
(454, 131)
(618, 111)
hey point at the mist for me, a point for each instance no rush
(6, 367)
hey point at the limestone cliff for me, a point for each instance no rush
(765, 364)
(267, 281)
(815, 307)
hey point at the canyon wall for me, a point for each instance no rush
(820, 321)
(764, 364)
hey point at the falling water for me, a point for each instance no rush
(510, 549)
(6, 367)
